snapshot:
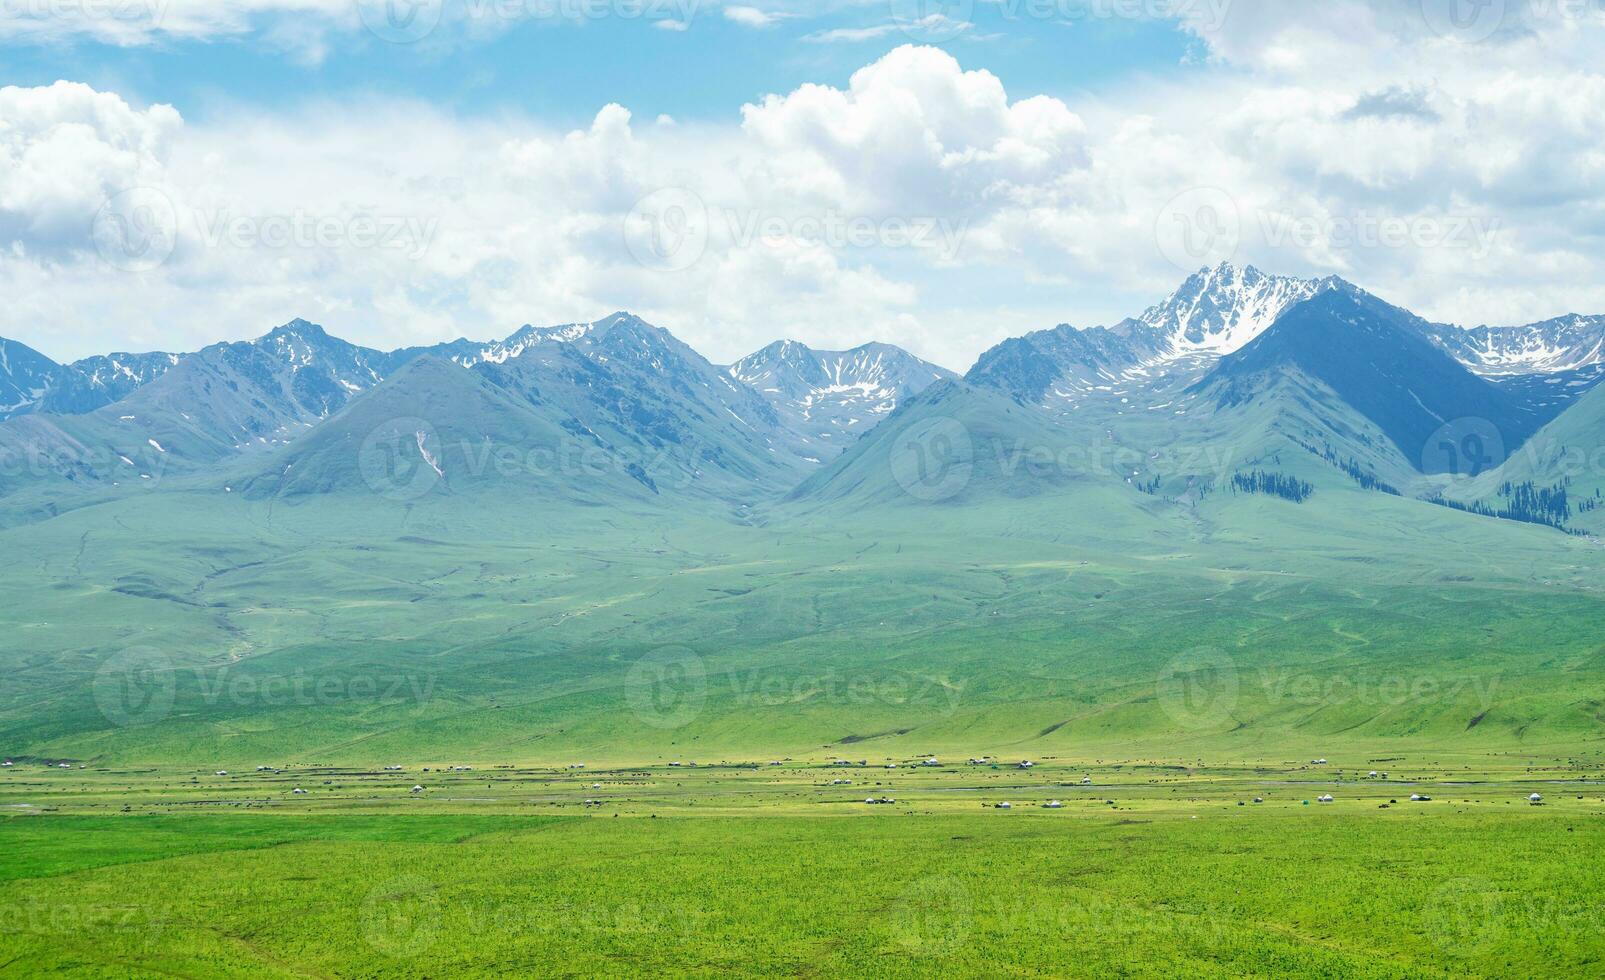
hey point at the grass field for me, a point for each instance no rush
(762, 869)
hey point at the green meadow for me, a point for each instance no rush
(758, 869)
(180, 629)
(177, 667)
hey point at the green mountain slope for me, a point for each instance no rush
(217, 630)
(1563, 462)
(954, 444)
(435, 428)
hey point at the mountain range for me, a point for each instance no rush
(1312, 385)
(31, 382)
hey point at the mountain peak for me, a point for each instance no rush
(828, 397)
(1214, 312)
(297, 328)
(751, 369)
(621, 320)
(1220, 310)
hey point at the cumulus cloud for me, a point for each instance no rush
(64, 150)
(913, 132)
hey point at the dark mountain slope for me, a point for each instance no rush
(1372, 356)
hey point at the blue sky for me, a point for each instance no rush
(938, 174)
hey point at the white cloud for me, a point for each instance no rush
(1393, 38)
(815, 203)
(852, 35)
(308, 29)
(136, 22)
(916, 134)
(936, 26)
(1458, 177)
(752, 16)
(64, 149)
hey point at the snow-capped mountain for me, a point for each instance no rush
(471, 352)
(621, 413)
(736, 434)
(826, 399)
(100, 380)
(1218, 311)
(1145, 360)
(1549, 364)
(638, 393)
(245, 395)
(1059, 366)
(305, 347)
(31, 382)
(649, 360)
(1567, 343)
(1372, 360)
(25, 377)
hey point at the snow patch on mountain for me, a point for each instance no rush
(1221, 310)
(502, 351)
(1564, 344)
(1147, 361)
(826, 398)
(25, 377)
